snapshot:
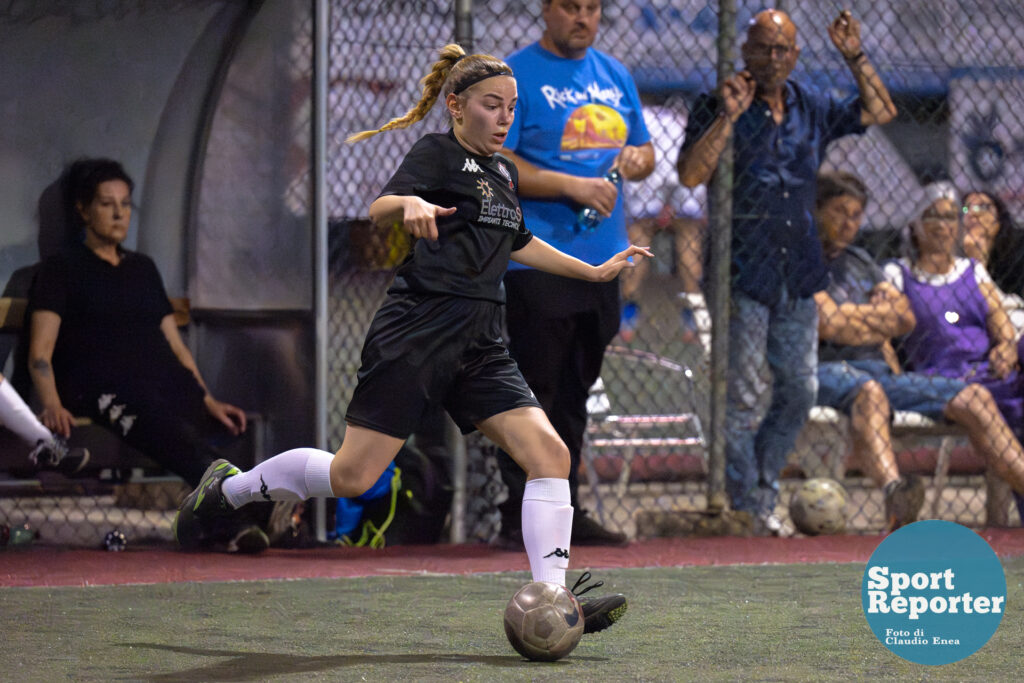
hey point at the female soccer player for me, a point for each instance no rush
(437, 337)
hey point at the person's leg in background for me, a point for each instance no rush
(792, 355)
(175, 431)
(48, 451)
(689, 247)
(592, 334)
(641, 233)
(745, 409)
(560, 357)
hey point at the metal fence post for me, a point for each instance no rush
(455, 441)
(718, 282)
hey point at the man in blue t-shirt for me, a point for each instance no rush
(578, 116)
(780, 131)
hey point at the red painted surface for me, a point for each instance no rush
(42, 566)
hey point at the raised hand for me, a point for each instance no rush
(845, 35)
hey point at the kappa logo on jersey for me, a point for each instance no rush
(471, 166)
(508, 176)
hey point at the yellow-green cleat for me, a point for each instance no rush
(203, 506)
(598, 613)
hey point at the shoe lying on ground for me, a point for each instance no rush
(903, 500)
(199, 512)
(586, 531)
(598, 613)
(769, 524)
(56, 456)
(249, 541)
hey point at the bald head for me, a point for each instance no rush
(770, 52)
(772, 25)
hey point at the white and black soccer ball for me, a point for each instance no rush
(543, 621)
(819, 507)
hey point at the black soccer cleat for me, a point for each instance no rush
(55, 455)
(598, 613)
(201, 508)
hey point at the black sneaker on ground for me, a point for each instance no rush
(598, 613)
(56, 456)
(201, 508)
(251, 540)
(903, 500)
(586, 531)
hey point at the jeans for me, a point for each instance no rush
(839, 382)
(779, 342)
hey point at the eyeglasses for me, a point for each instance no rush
(980, 207)
(778, 51)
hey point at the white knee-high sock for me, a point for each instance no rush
(297, 474)
(547, 528)
(19, 418)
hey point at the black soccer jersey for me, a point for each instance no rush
(474, 243)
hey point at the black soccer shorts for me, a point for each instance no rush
(424, 349)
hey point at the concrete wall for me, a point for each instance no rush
(129, 85)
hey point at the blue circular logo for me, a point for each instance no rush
(934, 592)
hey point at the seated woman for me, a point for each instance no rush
(103, 340)
(992, 238)
(962, 329)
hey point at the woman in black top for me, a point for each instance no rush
(437, 337)
(104, 343)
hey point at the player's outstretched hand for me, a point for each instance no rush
(610, 268)
(419, 217)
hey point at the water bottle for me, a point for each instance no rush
(588, 218)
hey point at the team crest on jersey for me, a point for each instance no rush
(508, 176)
(471, 166)
(493, 211)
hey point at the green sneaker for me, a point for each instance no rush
(598, 613)
(203, 506)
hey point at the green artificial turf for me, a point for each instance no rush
(761, 623)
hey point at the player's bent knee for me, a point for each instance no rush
(550, 459)
(349, 482)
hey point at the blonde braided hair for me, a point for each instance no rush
(453, 68)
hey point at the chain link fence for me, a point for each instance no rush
(956, 74)
(954, 71)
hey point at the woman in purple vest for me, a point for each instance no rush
(962, 329)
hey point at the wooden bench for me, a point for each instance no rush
(112, 461)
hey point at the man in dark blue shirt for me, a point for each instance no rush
(780, 129)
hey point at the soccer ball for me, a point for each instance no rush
(543, 621)
(819, 507)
